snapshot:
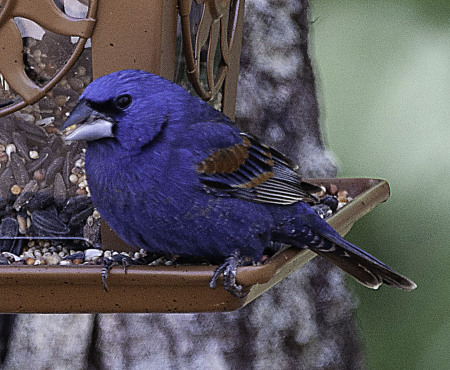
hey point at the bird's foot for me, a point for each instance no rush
(327, 206)
(229, 269)
(116, 260)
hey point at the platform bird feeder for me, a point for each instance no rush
(49, 51)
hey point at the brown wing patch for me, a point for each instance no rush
(256, 181)
(225, 160)
(253, 171)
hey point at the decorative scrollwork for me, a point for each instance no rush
(49, 16)
(216, 28)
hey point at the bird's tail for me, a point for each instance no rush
(365, 268)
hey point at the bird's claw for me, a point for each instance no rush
(228, 269)
(109, 263)
(327, 206)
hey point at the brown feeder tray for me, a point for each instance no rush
(78, 289)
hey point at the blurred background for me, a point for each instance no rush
(383, 76)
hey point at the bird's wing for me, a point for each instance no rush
(256, 172)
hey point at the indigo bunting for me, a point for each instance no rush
(172, 175)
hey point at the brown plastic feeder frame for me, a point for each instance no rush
(144, 36)
(46, 14)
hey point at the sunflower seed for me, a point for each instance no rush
(45, 121)
(35, 132)
(54, 167)
(9, 228)
(78, 218)
(27, 193)
(77, 204)
(48, 223)
(41, 200)
(6, 180)
(21, 145)
(59, 190)
(19, 170)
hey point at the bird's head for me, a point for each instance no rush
(129, 106)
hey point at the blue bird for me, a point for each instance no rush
(172, 175)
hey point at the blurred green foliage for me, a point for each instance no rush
(383, 73)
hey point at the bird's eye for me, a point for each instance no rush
(123, 101)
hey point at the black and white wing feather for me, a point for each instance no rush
(255, 172)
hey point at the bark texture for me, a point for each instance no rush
(305, 322)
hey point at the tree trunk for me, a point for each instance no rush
(305, 322)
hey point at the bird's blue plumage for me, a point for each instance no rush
(172, 175)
